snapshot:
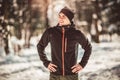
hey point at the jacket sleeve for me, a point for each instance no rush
(41, 47)
(83, 41)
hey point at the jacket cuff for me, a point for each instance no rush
(46, 63)
(83, 65)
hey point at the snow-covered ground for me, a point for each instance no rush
(104, 63)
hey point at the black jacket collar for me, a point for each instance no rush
(66, 27)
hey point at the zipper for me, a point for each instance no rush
(63, 50)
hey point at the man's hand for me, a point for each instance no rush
(76, 68)
(52, 67)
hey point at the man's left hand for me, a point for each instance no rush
(76, 68)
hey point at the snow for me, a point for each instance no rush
(102, 64)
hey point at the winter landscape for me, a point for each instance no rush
(104, 63)
(22, 22)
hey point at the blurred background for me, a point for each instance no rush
(22, 23)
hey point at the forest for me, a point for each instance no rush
(22, 23)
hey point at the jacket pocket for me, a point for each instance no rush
(65, 44)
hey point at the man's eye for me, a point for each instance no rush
(63, 16)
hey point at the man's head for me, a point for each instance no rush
(65, 16)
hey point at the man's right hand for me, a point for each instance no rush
(52, 67)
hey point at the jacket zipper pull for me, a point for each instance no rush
(63, 30)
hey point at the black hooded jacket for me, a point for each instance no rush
(64, 42)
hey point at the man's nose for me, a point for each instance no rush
(61, 17)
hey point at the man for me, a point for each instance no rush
(64, 40)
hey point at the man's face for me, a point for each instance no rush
(63, 20)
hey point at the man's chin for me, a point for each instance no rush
(60, 24)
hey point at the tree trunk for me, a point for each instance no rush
(95, 19)
(4, 25)
(28, 34)
(96, 36)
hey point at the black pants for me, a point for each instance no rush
(66, 77)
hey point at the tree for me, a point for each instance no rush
(4, 25)
(97, 17)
